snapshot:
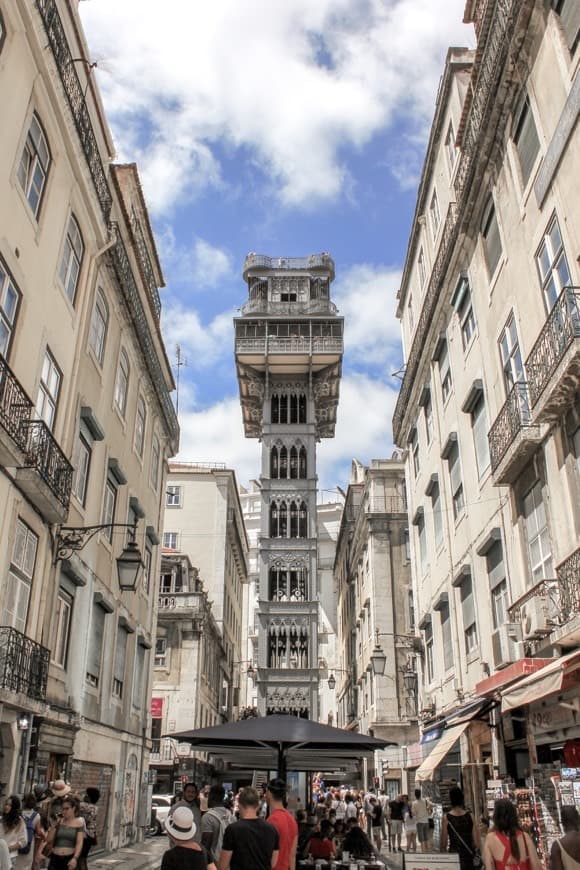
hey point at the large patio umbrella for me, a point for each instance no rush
(282, 741)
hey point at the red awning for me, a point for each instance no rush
(559, 675)
(519, 669)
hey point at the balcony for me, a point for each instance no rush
(180, 603)
(314, 261)
(23, 664)
(553, 365)
(15, 409)
(46, 473)
(163, 751)
(513, 438)
(289, 309)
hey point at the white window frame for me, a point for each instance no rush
(510, 354)
(421, 268)
(422, 544)
(155, 461)
(469, 625)
(429, 653)
(450, 147)
(456, 481)
(500, 604)
(82, 467)
(445, 374)
(110, 495)
(99, 327)
(525, 136)
(20, 576)
(434, 214)
(173, 495)
(63, 622)
(465, 314)
(72, 259)
(161, 652)
(437, 511)
(171, 540)
(428, 414)
(34, 165)
(490, 230)
(9, 305)
(538, 541)
(148, 561)
(119, 663)
(414, 444)
(479, 428)
(140, 426)
(122, 382)
(48, 390)
(552, 264)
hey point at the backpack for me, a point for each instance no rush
(223, 823)
(29, 822)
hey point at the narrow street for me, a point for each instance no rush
(141, 856)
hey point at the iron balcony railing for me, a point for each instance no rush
(179, 601)
(43, 453)
(147, 267)
(15, 406)
(314, 261)
(162, 749)
(568, 577)
(289, 345)
(514, 416)
(560, 330)
(311, 306)
(23, 664)
(75, 94)
(387, 504)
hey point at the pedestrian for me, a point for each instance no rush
(51, 807)
(420, 811)
(459, 831)
(190, 799)
(321, 845)
(214, 822)
(12, 827)
(410, 826)
(358, 845)
(565, 852)
(185, 852)
(338, 836)
(285, 824)
(396, 822)
(65, 837)
(507, 844)
(251, 842)
(34, 833)
(89, 812)
(376, 821)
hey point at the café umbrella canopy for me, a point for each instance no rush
(282, 741)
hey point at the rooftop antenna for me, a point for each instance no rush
(180, 361)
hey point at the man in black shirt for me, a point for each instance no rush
(396, 811)
(250, 842)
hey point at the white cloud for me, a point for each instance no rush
(210, 264)
(292, 82)
(201, 344)
(199, 265)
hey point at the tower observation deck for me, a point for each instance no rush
(288, 349)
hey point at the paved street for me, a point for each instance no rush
(142, 856)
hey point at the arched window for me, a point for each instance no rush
(293, 520)
(274, 462)
(99, 326)
(275, 415)
(278, 584)
(34, 165)
(273, 520)
(283, 462)
(302, 408)
(303, 521)
(298, 584)
(293, 408)
(283, 408)
(302, 463)
(122, 382)
(283, 523)
(294, 463)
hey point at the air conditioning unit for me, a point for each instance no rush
(514, 631)
(505, 650)
(535, 618)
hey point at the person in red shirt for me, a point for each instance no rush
(321, 845)
(284, 823)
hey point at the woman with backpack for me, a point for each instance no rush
(12, 827)
(34, 833)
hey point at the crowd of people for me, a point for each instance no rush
(50, 828)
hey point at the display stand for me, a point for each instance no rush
(430, 861)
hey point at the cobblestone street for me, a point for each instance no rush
(141, 856)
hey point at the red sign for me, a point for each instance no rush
(157, 708)
(519, 669)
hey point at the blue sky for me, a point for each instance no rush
(285, 127)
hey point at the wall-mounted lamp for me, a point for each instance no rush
(71, 539)
(23, 721)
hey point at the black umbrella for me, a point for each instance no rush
(295, 744)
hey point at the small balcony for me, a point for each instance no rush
(553, 366)
(163, 751)
(23, 664)
(46, 473)
(513, 438)
(15, 409)
(180, 603)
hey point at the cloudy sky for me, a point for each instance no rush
(285, 127)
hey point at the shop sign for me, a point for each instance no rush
(553, 718)
(431, 861)
(429, 736)
(157, 708)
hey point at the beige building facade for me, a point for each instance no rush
(87, 426)
(489, 409)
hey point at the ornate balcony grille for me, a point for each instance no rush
(15, 406)
(313, 306)
(122, 268)
(314, 261)
(175, 601)
(568, 575)
(514, 416)
(23, 664)
(289, 345)
(76, 100)
(43, 453)
(560, 330)
(145, 261)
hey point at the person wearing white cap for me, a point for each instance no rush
(186, 853)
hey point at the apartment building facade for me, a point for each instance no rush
(87, 426)
(489, 409)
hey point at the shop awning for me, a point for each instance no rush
(504, 677)
(555, 677)
(450, 736)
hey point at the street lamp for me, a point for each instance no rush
(332, 679)
(379, 658)
(23, 722)
(71, 539)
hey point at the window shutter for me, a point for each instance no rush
(467, 603)
(479, 418)
(492, 239)
(120, 654)
(454, 469)
(569, 11)
(495, 565)
(446, 635)
(437, 518)
(96, 642)
(526, 138)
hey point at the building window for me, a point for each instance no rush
(428, 413)
(155, 455)
(95, 654)
(445, 372)
(48, 390)
(9, 302)
(99, 324)
(161, 652)
(434, 214)
(20, 576)
(492, 249)
(122, 382)
(445, 615)
(288, 408)
(138, 682)
(511, 357)
(411, 315)
(170, 540)
(64, 605)
(72, 257)
(456, 481)
(173, 495)
(526, 138)
(437, 514)
(468, 610)
(479, 428)
(464, 308)
(148, 559)
(497, 584)
(2, 32)
(109, 506)
(429, 652)
(34, 165)
(119, 666)
(140, 424)
(407, 544)
(422, 537)
(570, 21)
(415, 451)
(552, 264)
(81, 464)
(450, 147)
(537, 534)
(421, 268)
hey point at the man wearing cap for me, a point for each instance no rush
(185, 853)
(190, 799)
(284, 823)
(250, 843)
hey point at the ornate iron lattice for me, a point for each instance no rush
(23, 664)
(44, 454)
(514, 416)
(15, 406)
(145, 261)
(560, 329)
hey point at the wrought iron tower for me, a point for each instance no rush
(288, 347)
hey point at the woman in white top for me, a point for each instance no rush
(12, 827)
(420, 812)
